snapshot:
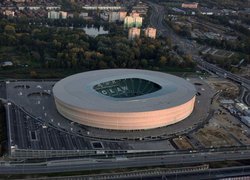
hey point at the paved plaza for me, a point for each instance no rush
(35, 125)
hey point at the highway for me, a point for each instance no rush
(187, 173)
(223, 73)
(204, 174)
(188, 46)
(157, 21)
(247, 99)
(2, 90)
(95, 164)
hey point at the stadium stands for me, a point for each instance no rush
(124, 88)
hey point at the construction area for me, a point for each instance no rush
(223, 129)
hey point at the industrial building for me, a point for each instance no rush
(241, 107)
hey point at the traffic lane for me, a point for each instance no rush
(132, 162)
(223, 72)
(2, 90)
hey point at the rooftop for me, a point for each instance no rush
(80, 90)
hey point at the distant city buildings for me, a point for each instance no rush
(117, 16)
(63, 14)
(9, 13)
(134, 14)
(57, 15)
(122, 15)
(134, 20)
(83, 14)
(140, 8)
(128, 21)
(53, 8)
(193, 5)
(19, 1)
(70, 15)
(134, 33)
(53, 15)
(6, 64)
(113, 16)
(104, 16)
(138, 21)
(102, 7)
(150, 32)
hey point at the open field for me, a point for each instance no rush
(214, 136)
(245, 72)
(234, 127)
(229, 89)
(223, 53)
(182, 143)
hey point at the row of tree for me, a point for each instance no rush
(57, 47)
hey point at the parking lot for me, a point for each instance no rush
(36, 125)
(37, 99)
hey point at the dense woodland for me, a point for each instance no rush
(53, 47)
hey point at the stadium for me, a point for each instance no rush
(124, 99)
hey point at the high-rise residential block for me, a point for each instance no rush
(134, 33)
(150, 32)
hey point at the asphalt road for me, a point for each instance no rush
(245, 96)
(248, 99)
(188, 47)
(2, 90)
(124, 163)
(243, 172)
(223, 73)
(189, 173)
(46, 105)
(157, 21)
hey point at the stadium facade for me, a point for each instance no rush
(124, 99)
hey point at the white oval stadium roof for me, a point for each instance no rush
(78, 91)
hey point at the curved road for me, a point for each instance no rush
(189, 47)
(247, 98)
(157, 21)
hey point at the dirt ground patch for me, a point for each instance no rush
(182, 143)
(213, 135)
(245, 72)
(229, 89)
(233, 126)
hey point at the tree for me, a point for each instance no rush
(9, 29)
(162, 61)
(169, 42)
(33, 74)
(102, 65)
